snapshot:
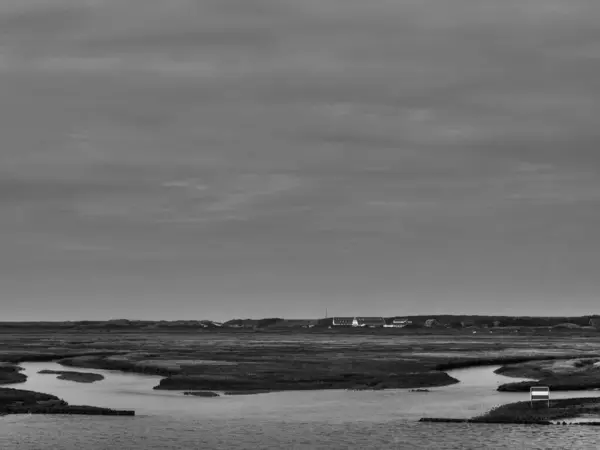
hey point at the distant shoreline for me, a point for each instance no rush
(516, 320)
(387, 325)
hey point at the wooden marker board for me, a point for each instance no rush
(539, 393)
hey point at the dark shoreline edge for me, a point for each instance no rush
(10, 373)
(503, 422)
(515, 422)
(20, 401)
(55, 357)
(466, 363)
(83, 410)
(522, 413)
(207, 394)
(495, 422)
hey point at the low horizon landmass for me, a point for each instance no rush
(412, 321)
(215, 365)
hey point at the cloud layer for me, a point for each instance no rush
(265, 157)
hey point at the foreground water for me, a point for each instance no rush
(288, 420)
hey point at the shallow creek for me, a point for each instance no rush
(474, 394)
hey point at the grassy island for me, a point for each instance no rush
(79, 377)
(11, 374)
(573, 374)
(523, 412)
(537, 414)
(18, 401)
(202, 394)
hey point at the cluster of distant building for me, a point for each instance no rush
(371, 322)
(380, 322)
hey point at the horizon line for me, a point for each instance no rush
(304, 318)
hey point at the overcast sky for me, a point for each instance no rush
(215, 159)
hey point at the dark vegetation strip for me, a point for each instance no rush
(202, 394)
(559, 409)
(516, 422)
(256, 391)
(121, 365)
(503, 360)
(584, 376)
(19, 401)
(568, 382)
(79, 377)
(49, 357)
(11, 375)
(316, 381)
(512, 422)
(69, 409)
(539, 414)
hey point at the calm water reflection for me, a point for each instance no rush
(309, 419)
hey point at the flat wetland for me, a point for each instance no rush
(246, 362)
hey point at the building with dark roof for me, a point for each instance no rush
(370, 321)
(344, 322)
(398, 322)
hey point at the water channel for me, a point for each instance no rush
(297, 419)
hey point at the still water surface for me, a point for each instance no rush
(286, 420)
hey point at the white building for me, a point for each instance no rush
(345, 322)
(398, 323)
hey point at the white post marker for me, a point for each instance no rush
(539, 393)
